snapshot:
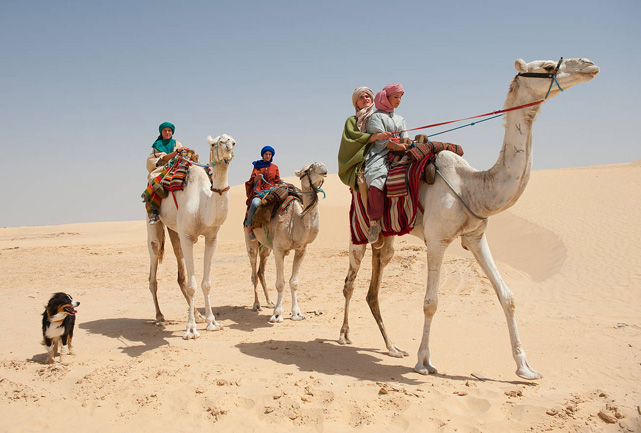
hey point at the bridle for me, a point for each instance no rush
(550, 75)
(314, 190)
(214, 157)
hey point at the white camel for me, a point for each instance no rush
(201, 210)
(485, 193)
(291, 229)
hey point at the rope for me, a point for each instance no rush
(463, 126)
(396, 140)
(499, 112)
(457, 194)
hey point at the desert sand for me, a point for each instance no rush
(569, 250)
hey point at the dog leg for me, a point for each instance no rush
(50, 355)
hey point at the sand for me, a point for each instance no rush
(569, 250)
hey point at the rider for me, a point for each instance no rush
(163, 150)
(356, 142)
(384, 119)
(263, 177)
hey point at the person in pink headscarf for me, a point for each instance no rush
(384, 119)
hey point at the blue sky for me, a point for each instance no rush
(84, 86)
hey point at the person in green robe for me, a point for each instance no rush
(356, 142)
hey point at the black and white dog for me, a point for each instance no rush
(58, 321)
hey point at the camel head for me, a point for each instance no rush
(570, 72)
(221, 149)
(312, 176)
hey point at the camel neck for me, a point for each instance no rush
(507, 179)
(219, 176)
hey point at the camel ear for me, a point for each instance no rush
(210, 140)
(301, 172)
(520, 65)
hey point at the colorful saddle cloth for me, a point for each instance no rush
(279, 197)
(401, 202)
(176, 177)
(149, 197)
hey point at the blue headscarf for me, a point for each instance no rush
(261, 163)
(165, 146)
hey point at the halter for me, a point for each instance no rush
(214, 160)
(314, 190)
(307, 173)
(550, 75)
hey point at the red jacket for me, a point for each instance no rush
(256, 183)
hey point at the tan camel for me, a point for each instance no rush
(485, 193)
(201, 210)
(291, 229)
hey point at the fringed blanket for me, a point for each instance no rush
(149, 197)
(401, 202)
(400, 212)
(396, 184)
(177, 175)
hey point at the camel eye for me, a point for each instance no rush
(549, 68)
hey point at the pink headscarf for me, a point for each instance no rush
(381, 102)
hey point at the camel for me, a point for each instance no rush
(291, 229)
(201, 209)
(485, 193)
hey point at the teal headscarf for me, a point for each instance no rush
(165, 146)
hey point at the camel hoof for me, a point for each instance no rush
(257, 307)
(425, 370)
(344, 340)
(395, 352)
(528, 373)
(191, 334)
(298, 316)
(276, 319)
(213, 327)
(524, 370)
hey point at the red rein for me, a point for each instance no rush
(396, 140)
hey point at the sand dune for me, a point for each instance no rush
(569, 250)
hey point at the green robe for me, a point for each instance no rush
(351, 155)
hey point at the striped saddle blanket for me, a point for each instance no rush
(177, 175)
(401, 202)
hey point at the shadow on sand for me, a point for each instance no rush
(329, 357)
(132, 330)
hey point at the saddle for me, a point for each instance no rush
(280, 196)
(402, 205)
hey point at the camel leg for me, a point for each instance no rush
(299, 255)
(279, 259)
(156, 245)
(210, 249)
(478, 246)
(252, 252)
(435, 252)
(187, 244)
(356, 254)
(254, 249)
(380, 258)
(180, 261)
(264, 253)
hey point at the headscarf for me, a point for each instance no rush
(362, 116)
(381, 102)
(261, 163)
(165, 146)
